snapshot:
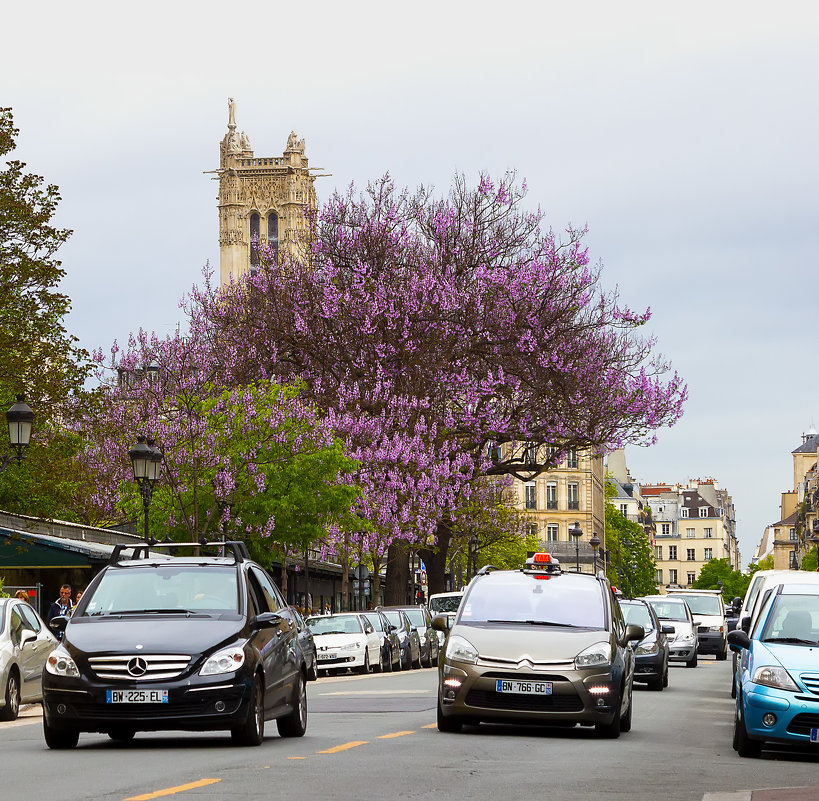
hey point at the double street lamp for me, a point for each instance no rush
(575, 532)
(19, 418)
(146, 459)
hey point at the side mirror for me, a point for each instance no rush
(390, 628)
(697, 622)
(745, 624)
(441, 623)
(634, 633)
(666, 629)
(58, 624)
(736, 605)
(266, 620)
(737, 640)
(27, 636)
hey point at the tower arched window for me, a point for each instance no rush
(254, 242)
(273, 234)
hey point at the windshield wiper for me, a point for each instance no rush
(796, 640)
(537, 623)
(158, 612)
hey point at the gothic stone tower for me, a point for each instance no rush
(261, 200)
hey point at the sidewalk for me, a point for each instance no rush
(777, 794)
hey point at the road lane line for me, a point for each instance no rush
(394, 734)
(335, 749)
(430, 726)
(297, 757)
(173, 790)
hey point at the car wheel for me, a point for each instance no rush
(744, 745)
(417, 662)
(722, 655)
(656, 683)
(251, 732)
(625, 721)
(59, 739)
(611, 731)
(426, 661)
(665, 676)
(122, 735)
(406, 664)
(365, 668)
(295, 723)
(12, 708)
(313, 674)
(692, 662)
(435, 658)
(452, 724)
(397, 664)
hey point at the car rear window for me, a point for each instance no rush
(704, 604)
(670, 610)
(638, 614)
(166, 588)
(448, 603)
(335, 624)
(520, 598)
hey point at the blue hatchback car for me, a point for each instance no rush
(778, 672)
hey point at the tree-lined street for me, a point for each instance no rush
(374, 737)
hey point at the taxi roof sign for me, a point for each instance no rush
(542, 562)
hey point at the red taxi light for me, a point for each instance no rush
(542, 557)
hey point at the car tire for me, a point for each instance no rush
(665, 676)
(434, 660)
(365, 668)
(294, 724)
(60, 739)
(313, 674)
(722, 655)
(417, 662)
(251, 732)
(451, 725)
(426, 661)
(406, 664)
(12, 708)
(692, 663)
(625, 720)
(744, 745)
(656, 683)
(122, 735)
(610, 731)
(386, 662)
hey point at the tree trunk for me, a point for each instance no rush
(345, 573)
(398, 575)
(435, 558)
(307, 601)
(284, 576)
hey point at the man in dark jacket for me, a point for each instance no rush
(63, 606)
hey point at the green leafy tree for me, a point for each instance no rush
(718, 574)
(766, 564)
(632, 566)
(38, 357)
(810, 562)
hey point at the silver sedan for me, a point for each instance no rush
(25, 644)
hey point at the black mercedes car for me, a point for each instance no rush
(159, 642)
(651, 653)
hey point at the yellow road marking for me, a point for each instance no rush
(337, 748)
(430, 726)
(172, 790)
(297, 757)
(394, 734)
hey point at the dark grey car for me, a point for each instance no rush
(407, 636)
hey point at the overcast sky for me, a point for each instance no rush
(685, 137)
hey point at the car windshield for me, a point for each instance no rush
(704, 604)
(335, 624)
(520, 598)
(448, 603)
(793, 619)
(375, 621)
(416, 617)
(638, 614)
(167, 588)
(670, 610)
(395, 619)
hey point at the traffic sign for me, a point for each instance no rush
(362, 572)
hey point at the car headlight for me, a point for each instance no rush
(646, 650)
(59, 663)
(353, 646)
(685, 638)
(595, 655)
(225, 661)
(461, 650)
(770, 676)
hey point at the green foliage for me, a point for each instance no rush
(734, 582)
(629, 549)
(765, 564)
(809, 561)
(508, 552)
(38, 357)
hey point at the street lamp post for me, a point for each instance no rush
(146, 459)
(576, 533)
(19, 418)
(595, 544)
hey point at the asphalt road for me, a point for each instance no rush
(374, 737)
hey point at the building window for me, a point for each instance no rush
(793, 535)
(254, 242)
(624, 509)
(551, 495)
(531, 530)
(531, 454)
(689, 553)
(659, 577)
(571, 459)
(672, 552)
(708, 533)
(551, 450)
(551, 532)
(658, 552)
(531, 502)
(690, 533)
(666, 529)
(273, 235)
(683, 512)
(672, 576)
(574, 495)
(709, 554)
(691, 578)
(703, 511)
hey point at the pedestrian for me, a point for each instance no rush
(22, 595)
(62, 606)
(79, 595)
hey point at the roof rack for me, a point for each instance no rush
(486, 569)
(143, 551)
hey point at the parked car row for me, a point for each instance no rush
(383, 639)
